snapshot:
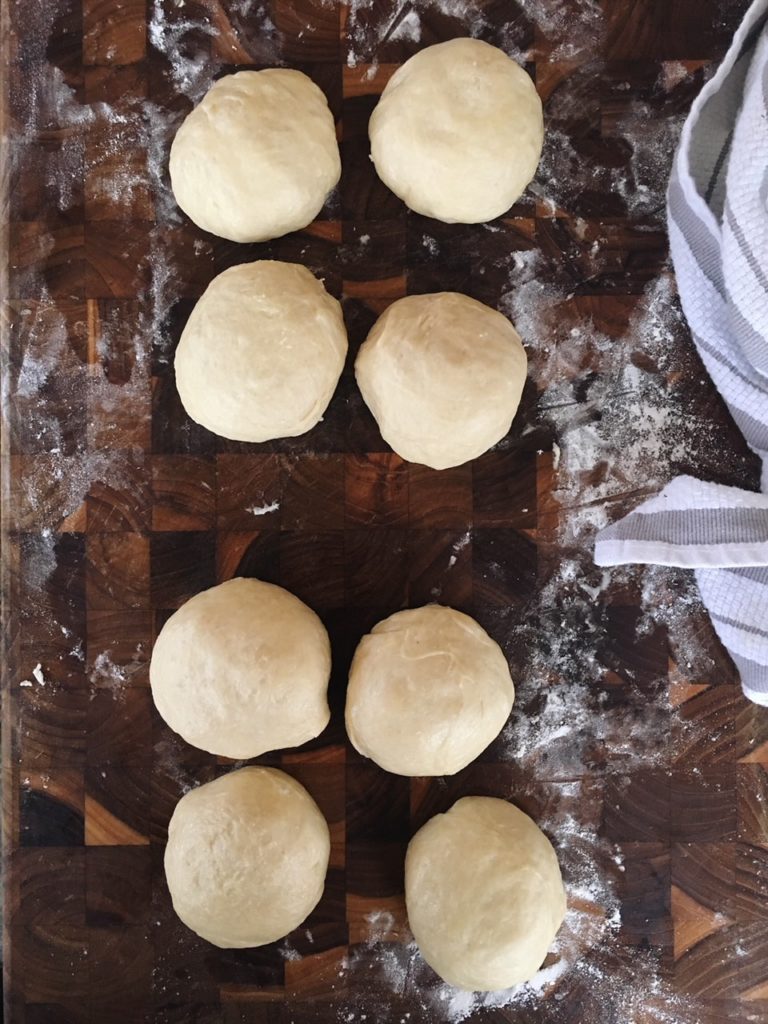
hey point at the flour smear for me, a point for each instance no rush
(611, 408)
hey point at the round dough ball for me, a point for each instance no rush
(484, 894)
(243, 668)
(262, 352)
(246, 857)
(428, 691)
(458, 131)
(257, 157)
(443, 375)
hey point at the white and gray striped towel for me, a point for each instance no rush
(718, 230)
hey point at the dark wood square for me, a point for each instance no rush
(51, 808)
(312, 493)
(184, 493)
(638, 807)
(440, 499)
(376, 568)
(181, 565)
(121, 502)
(117, 796)
(117, 571)
(119, 646)
(312, 567)
(118, 267)
(646, 913)
(53, 726)
(249, 491)
(255, 554)
(63, 653)
(173, 432)
(376, 490)
(703, 804)
(34, 167)
(504, 490)
(119, 728)
(440, 568)
(378, 804)
(56, 255)
(52, 585)
(114, 35)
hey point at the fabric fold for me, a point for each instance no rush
(692, 524)
(717, 207)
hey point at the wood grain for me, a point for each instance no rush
(90, 772)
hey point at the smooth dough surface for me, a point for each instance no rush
(428, 691)
(458, 131)
(484, 894)
(257, 157)
(261, 353)
(443, 375)
(243, 668)
(246, 857)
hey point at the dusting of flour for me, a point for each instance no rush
(611, 407)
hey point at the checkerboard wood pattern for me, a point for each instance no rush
(90, 772)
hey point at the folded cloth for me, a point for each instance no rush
(718, 231)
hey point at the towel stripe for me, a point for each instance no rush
(694, 526)
(740, 625)
(743, 244)
(705, 248)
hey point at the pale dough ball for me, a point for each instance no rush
(428, 691)
(242, 668)
(443, 375)
(246, 857)
(261, 353)
(484, 894)
(458, 131)
(257, 157)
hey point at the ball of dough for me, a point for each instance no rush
(458, 131)
(257, 157)
(443, 375)
(243, 668)
(246, 857)
(262, 352)
(428, 691)
(484, 894)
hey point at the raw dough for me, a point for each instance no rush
(484, 894)
(262, 352)
(246, 857)
(257, 157)
(243, 668)
(428, 691)
(443, 375)
(458, 131)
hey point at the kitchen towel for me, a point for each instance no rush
(717, 207)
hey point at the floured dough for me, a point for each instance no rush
(262, 352)
(458, 131)
(484, 894)
(242, 668)
(257, 157)
(246, 857)
(428, 691)
(443, 375)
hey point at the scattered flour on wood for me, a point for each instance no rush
(610, 399)
(38, 677)
(262, 510)
(107, 674)
(191, 65)
(570, 29)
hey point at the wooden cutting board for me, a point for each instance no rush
(642, 761)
